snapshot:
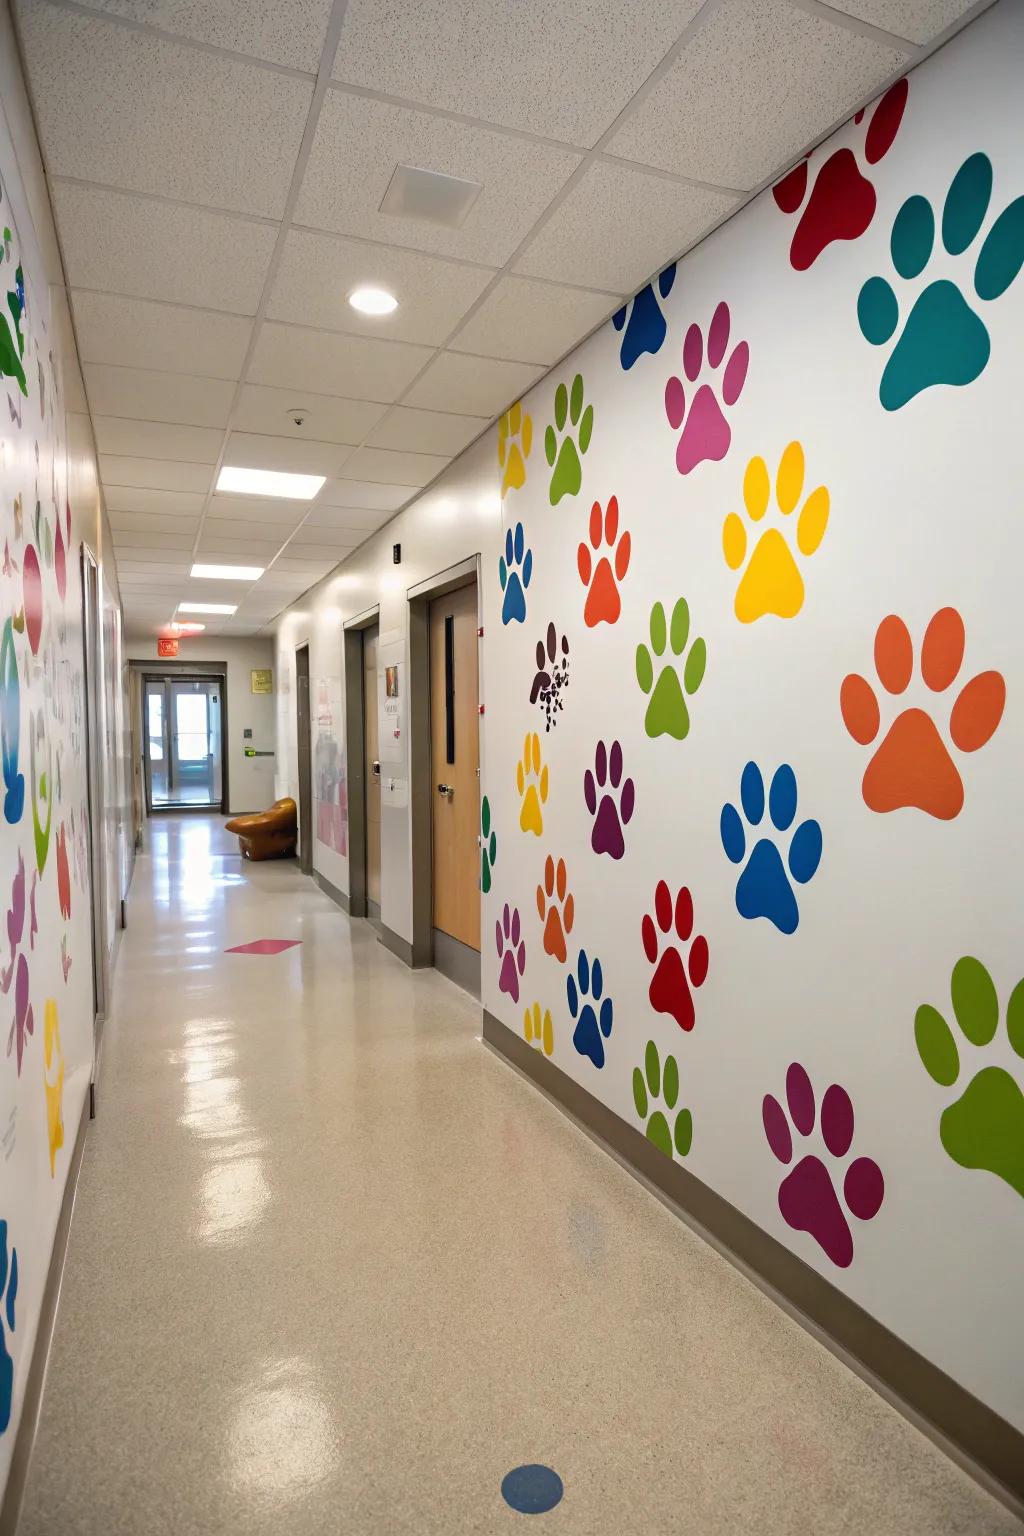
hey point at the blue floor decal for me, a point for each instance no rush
(532, 1489)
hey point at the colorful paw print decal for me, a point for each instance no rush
(488, 846)
(667, 939)
(551, 678)
(706, 433)
(53, 1080)
(8, 1297)
(538, 1028)
(765, 885)
(610, 799)
(771, 580)
(984, 1127)
(667, 712)
(913, 766)
(603, 564)
(515, 439)
(515, 570)
(511, 947)
(654, 1083)
(10, 727)
(532, 784)
(556, 908)
(590, 1008)
(943, 340)
(567, 439)
(842, 201)
(642, 317)
(808, 1197)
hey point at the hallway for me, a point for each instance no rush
(335, 1267)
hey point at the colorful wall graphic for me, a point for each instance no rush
(330, 785)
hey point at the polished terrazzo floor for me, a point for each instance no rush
(334, 1268)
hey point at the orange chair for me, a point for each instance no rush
(269, 834)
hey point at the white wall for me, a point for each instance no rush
(923, 500)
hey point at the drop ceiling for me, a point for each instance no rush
(217, 173)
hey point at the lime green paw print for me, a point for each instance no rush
(651, 1084)
(984, 1127)
(667, 714)
(564, 459)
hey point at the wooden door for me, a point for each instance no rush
(372, 765)
(455, 759)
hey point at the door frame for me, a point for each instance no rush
(186, 672)
(304, 750)
(421, 786)
(95, 789)
(355, 748)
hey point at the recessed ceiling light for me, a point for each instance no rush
(207, 608)
(373, 301)
(228, 572)
(268, 482)
(185, 629)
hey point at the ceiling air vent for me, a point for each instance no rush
(430, 195)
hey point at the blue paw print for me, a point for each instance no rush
(593, 1014)
(514, 586)
(943, 340)
(9, 1292)
(645, 329)
(764, 888)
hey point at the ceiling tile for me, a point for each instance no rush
(328, 418)
(532, 322)
(303, 456)
(232, 531)
(138, 333)
(171, 397)
(508, 63)
(388, 466)
(156, 474)
(329, 537)
(329, 554)
(131, 538)
(257, 509)
(122, 244)
(426, 431)
(129, 498)
(359, 142)
(758, 82)
(289, 32)
(313, 568)
(620, 224)
(258, 551)
(133, 110)
(318, 272)
(156, 439)
(356, 493)
(919, 20)
(294, 358)
(153, 522)
(455, 382)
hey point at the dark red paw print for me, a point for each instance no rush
(670, 990)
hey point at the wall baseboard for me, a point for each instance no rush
(971, 1434)
(397, 945)
(457, 961)
(337, 896)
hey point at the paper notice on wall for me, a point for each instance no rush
(391, 717)
(331, 786)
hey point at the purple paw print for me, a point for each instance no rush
(706, 433)
(609, 817)
(511, 952)
(807, 1196)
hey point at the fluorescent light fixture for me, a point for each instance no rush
(207, 608)
(373, 301)
(185, 629)
(228, 572)
(268, 482)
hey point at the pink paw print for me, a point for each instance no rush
(511, 949)
(706, 433)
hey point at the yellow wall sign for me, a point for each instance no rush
(262, 680)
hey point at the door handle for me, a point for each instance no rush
(446, 790)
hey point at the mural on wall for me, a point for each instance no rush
(331, 787)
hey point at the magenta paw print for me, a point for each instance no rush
(610, 800)
(511, 952)
(807, 1196)
(706, 433)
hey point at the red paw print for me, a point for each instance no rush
(603, 602)
(842, 201)
(672, 980)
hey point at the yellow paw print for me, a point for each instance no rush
(772, 582)
(515, 439)
(532, 783)
(53, 1079)
(538, 1030)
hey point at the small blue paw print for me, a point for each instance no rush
(764, 888)
(593, 1014)
(8, 1293)
(645, 328)
(514, 586)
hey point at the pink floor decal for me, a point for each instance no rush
(263, 947)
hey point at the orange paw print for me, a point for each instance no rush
(603, 602)
(913, 765)
(556, 912)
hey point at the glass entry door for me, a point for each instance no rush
(183, 742)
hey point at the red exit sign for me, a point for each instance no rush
(167, 646)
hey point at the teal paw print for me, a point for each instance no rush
(943, 340)
(984, 1127)
(488, 846)
(667, 714)
(651, 1084)
(565, 460)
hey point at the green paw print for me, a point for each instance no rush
(984, 1127)
(488, 846)
(667, 714)
(650, 1084)
(565, 460)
